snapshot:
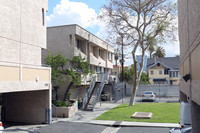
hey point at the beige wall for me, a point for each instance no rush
(24, 78)
(16, 73)
(9, 73)
(30, 74)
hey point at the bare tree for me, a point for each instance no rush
(140, 22)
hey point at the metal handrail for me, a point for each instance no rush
(55, 110)
(88, 93)
(100, 88)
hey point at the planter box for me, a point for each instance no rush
(64, 112)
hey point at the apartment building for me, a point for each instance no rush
(189, 37)
(73, 40)
(164, 70)
(25, 85)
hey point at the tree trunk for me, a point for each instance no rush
(67, 91)
(134, 81)
(132, 100)
(56, 90)
(137, 76)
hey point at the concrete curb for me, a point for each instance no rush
(132, 124)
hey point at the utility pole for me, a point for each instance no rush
(122, 41)
(122, 58)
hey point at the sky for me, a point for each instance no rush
(83, 13)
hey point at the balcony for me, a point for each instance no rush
(77, 52)
(97, 61)
(109, 64)
(17, 77)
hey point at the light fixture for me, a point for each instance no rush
(187, 77)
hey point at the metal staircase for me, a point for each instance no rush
(93, 94)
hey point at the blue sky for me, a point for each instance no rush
(84, 13)
(94, 4)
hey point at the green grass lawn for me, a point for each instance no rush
(162, 112)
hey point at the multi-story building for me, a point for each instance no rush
(189, 29)
(163, 70)
(25, 85)
(73, 40)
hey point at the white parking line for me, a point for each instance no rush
(111, 130)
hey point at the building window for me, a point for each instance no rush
(100, 53)
(160, 71)
(96, 69)
(79, 44)
(152, 72)
(166, 71)
(175, 74)
(43, 22)
(170, 74)
(110, 56)
(70, 39)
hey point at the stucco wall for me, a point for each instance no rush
(189, 29)
(22, 34)
(58, 40)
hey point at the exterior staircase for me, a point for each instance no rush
(89, 105)
(93, 94)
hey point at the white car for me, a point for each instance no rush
(148, 95)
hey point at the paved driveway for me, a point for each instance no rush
(70, 127)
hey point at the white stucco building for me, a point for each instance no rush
(25, 85)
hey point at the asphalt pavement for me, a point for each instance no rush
(71, 127)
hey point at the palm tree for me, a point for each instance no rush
(151, 50)
(160, 52)
(151, 43)
(116, 58)
(117, 54)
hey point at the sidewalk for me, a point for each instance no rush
(89, 116)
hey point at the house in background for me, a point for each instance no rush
(73, 40)
(25, 85)
(164, 70)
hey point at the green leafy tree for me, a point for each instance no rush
(57, 63)
(78, 69)
(144, 78)
(75, 69)
(128, 75)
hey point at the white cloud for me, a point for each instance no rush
(68, 12)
